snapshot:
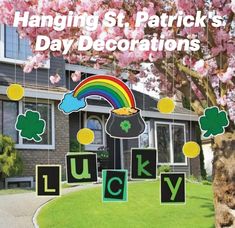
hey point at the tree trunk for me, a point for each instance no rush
(224, 180)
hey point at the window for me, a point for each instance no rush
(178, 142)
(45, 111)
(163, 143)
(8, 115)
(15, 48)
(170, 141)
(144, 139)
(95, 124)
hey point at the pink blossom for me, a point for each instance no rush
(28, 67)
(230, 48)
(222, 100)
(137, 33)
(117, 3)
(188, 61)
(217, 3)
(54, 79)
(34, 62)
(227, 76)
(217, 50)
(196, 91)
(124, 58)
(96, 65)
(214, 80)
(232, 5)
(221, 36)
(76, 76)
(200, 67)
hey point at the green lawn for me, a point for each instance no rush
(14, 191)
(25, 190)
(84, 209)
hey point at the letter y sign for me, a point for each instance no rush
(173, 188)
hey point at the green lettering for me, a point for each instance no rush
(109, 186)
(46, 189)
(174, 190)
(141, 166)
(85, 173)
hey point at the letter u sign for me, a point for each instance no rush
(81, 167)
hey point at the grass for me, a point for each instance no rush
(85, 209)
(65, 185)
(25, 190)
(14, 191)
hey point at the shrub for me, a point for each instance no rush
(192, 178)
(164, 169)
(75, 146)
(205, 182)
(103, 154)
(209, 178)
(10, 161)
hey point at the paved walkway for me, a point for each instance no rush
(17, 210)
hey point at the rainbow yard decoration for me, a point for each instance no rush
(124, 121)
(112, 89)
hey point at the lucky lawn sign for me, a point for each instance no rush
(82, 167)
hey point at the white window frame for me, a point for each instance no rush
(94, 147)
(170, 124)
(149, 133)
(9, 60)
(21, 145)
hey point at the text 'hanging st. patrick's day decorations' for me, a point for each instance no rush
(30, 125)
(213, 122)
(125, 119)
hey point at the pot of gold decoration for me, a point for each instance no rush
(125, 123)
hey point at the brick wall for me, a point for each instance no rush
(31, 158)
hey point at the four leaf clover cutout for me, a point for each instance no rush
(30, 125)
(213, 122)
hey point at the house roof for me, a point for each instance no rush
(144, 102)
(6, 81)
(147, 104)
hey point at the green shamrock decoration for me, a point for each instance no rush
(213, 122)
(30, 125)
(125, 125)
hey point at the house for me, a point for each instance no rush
(167, 133)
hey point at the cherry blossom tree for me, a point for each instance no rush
(205, 77)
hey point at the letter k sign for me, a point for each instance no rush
(172, 188)
(143, 164)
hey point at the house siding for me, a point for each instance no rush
(7, 74)
(127, 145)
(66, 127)
(195, 162)
(31, 158)
(192, 166)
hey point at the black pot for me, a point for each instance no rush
(125, 126)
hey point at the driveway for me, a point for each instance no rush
(17, 210)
